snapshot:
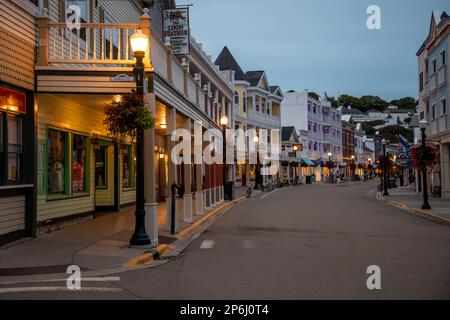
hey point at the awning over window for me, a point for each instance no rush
(307, 162)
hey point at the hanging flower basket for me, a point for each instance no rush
(423, 157)
(125, 116)
(384, 160)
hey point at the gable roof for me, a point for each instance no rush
(286, 133)
(226, 61)
(276, 90)
(254, 77)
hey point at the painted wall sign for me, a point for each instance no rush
(122, 78)
(176, 27)
(12, 100)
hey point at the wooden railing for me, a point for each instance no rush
(92, 43)
(108, 45)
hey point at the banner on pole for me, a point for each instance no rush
(176, 28)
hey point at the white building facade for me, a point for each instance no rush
(320, 120)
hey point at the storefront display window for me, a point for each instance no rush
(78, 163)
(128, 165)
(56, 161)
(14, 148)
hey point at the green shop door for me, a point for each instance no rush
(106, 177)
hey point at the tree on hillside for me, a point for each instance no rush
(373, 102)
(405, 103)
(334, 102)
(390, 132)
(313, 95)
(346, 100)
(368, 126)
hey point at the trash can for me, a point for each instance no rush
(308, 179)
(229, 191)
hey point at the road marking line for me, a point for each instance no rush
(50, 289)
(207, 244)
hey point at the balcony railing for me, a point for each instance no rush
(108, 45)
(264, 118)
(91, 44)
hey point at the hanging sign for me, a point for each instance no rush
(176, 27)
(12, 100)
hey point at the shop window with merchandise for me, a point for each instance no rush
(10, 148)
(67, 165)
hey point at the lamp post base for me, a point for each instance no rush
(426, 206)
(140, 236)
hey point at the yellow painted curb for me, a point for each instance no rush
(432, 216)
(398, 204)
(149, 257)
(188, 230)
(163, 248)
(416, 211)
(146, 258)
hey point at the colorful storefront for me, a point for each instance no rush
(80, 169)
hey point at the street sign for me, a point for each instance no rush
(122, 78)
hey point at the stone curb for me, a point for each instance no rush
(416, 211)
(179, 245)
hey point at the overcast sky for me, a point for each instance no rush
(321, 45)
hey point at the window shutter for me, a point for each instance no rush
(62, 11)
(102, 15)
(91, 12)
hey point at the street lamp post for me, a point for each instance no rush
(353, 168)
(296, 167)
(139, 44)
(426, 204)
(224, 123)
(385, 183)
(330, 167)
(257, 172)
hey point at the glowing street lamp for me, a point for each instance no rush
(224, 123)
(385, 183)
(139, 45)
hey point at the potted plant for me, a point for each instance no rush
(123, 117)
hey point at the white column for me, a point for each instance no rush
(199, 187)
(187, 197)
(149, 179)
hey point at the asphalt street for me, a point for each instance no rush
(306, 242)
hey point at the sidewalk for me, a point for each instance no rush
(407, 198)
(94, 245)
